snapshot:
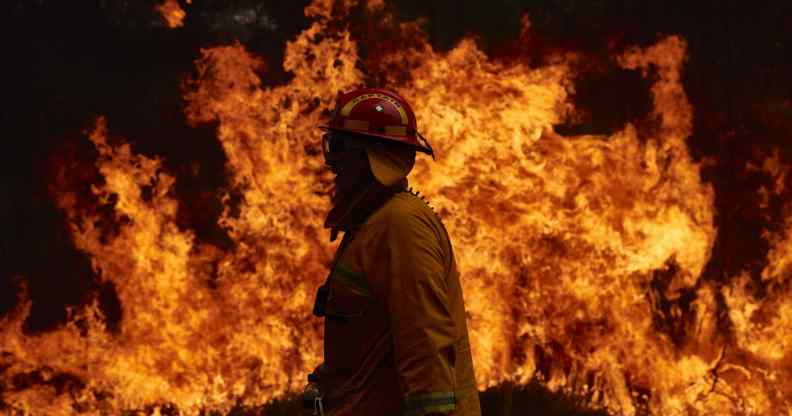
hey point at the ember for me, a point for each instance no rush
(172, 13)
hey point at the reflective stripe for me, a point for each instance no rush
(356, 280)
(356, 124)
(421, 404)
(396, 130)
(347, 109)
(366, 126)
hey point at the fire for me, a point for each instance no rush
(582, 257)
(172, 12)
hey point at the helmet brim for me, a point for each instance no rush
(390, 138)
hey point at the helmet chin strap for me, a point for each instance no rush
(426, 142)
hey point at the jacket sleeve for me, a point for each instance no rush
(409, 263)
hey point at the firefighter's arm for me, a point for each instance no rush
(416, 293)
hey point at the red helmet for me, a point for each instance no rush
(378, 112)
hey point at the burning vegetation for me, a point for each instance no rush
(590, 240)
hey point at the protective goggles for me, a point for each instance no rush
(335, 145)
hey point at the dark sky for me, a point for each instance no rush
(66, 62)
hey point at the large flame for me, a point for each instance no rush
(581, 257)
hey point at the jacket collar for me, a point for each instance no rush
(350, 212)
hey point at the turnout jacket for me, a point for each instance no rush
(396, 339)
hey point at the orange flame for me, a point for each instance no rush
(575, 252)
(172, 13)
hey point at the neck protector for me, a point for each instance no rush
(351, 211)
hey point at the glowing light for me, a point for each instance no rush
(172, 12)
(575, 252)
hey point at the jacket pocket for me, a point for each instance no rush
(349, 294)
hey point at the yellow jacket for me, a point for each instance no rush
(396, 340)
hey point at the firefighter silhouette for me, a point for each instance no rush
(396, 340)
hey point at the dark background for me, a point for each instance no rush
(67, 62)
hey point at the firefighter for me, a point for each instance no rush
(396, 340)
